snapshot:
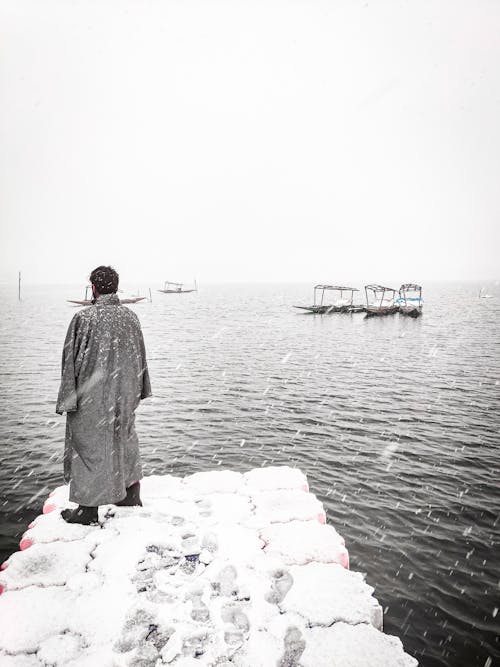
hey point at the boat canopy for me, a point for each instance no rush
(379, 288)
(382, 297)
(337, 287)
(410, 288)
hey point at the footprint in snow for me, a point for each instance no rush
(281, 583)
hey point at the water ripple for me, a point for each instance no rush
(395, 422)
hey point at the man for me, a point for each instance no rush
(104, 376)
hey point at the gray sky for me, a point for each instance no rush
(302, 140)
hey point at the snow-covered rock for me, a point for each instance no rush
(218, 568)
(328, 593)
(301, 542)
(345, 645)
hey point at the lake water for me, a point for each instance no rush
(395, 421)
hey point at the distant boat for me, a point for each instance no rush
(380, 300)
(410, 300)
(342, 304)
(484, 296)
(88, 302)
(177, 288)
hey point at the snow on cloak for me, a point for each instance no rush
(104, 377)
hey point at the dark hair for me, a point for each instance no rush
(105, 279)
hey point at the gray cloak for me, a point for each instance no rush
(104, 376)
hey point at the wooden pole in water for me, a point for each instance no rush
(150, 297)
(19, 287)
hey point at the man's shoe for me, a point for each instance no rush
(133, 497)
(87, 516)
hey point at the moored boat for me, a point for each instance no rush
(170, 287)
(380, 300)
(88, 302)
(484, 296)
(410, 300)
(342, 304)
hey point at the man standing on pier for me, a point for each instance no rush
(104, 377)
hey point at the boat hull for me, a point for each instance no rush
(323, 310)
(176, 291)
(86, 302)
(374, 311)
(410, 311)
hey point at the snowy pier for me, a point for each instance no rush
(218, 568)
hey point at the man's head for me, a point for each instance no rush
(104, 279)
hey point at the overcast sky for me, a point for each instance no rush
(299, 140)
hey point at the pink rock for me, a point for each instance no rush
(48, 507)
(4, 565)
(1, 589)
(305, 487)
(32, 525)
(344, 559)
(322, 517)
(25, 543)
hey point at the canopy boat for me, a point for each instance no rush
(382, 301)
(410, 300)
(484, 296)
(176, 288)
(342, 304)
(89, 301)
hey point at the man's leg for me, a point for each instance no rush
(82, 514)
(133, 497)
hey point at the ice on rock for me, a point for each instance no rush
(45, 565)
(215, 481)
(285, 505)
(237, 542)
(225, 508)
(328, 593)
(91, 657)
(21, 660)
(300, 542)
(58, 498)
(98, 614)
(31, 615)
(155, 487)
(345, 645)
(84, 582)
(119, 556)
(215, 569)
(261, 649)
(276, 477)
(52, 527)
(60, 649)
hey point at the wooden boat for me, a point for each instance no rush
(484, 296)
(382, 301)
(410, 300)
(176, 288)
(343, 304)
(88, 302)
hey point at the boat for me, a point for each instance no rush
(382, 301)
(410, 300)
(177, 288)
(342, 304)
(484, 296)
(88, 302)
